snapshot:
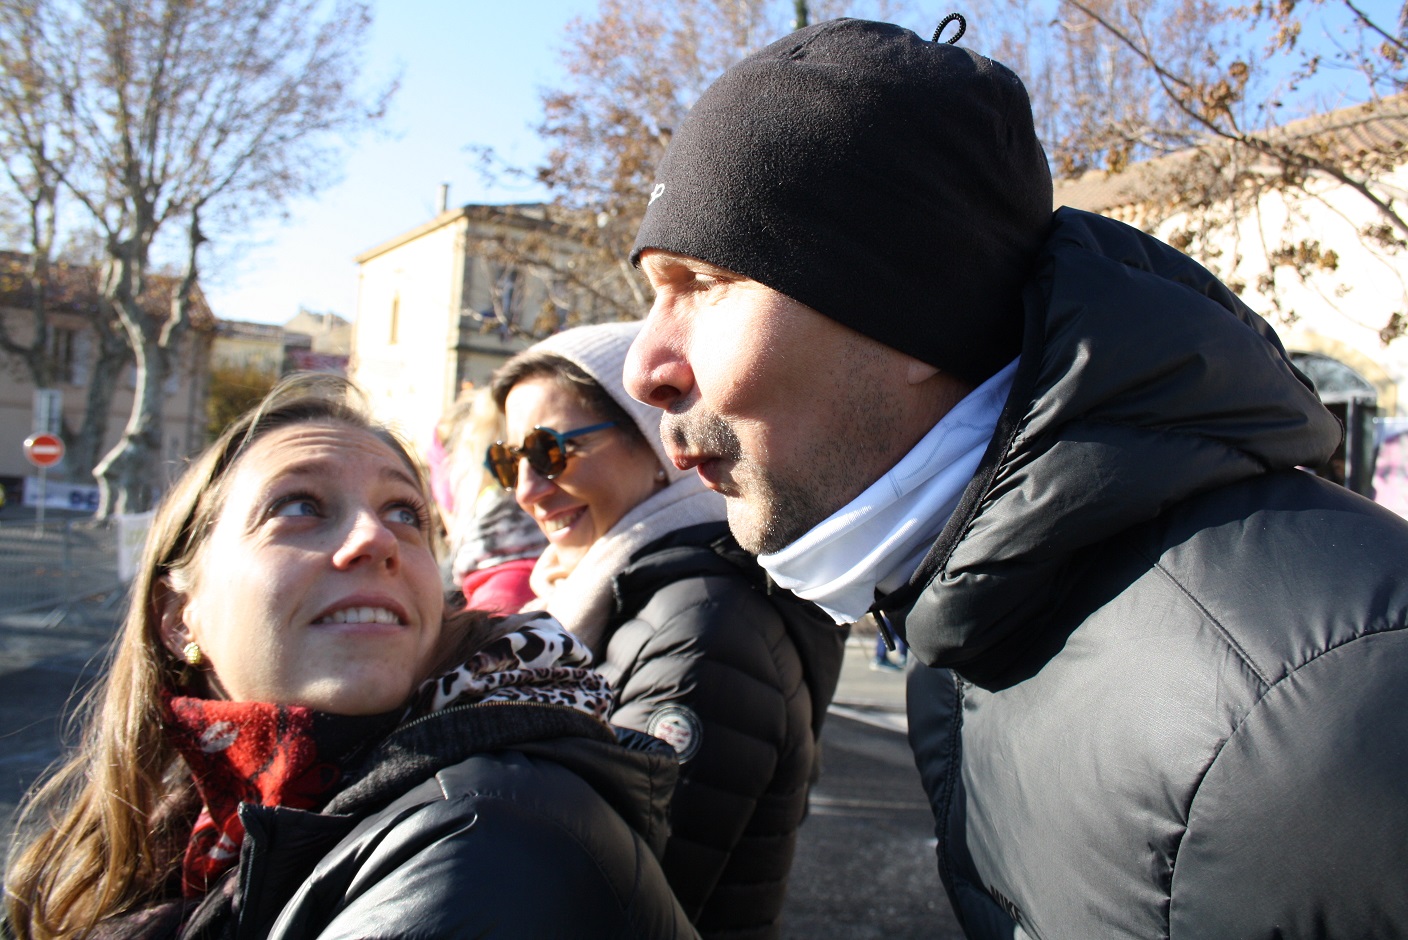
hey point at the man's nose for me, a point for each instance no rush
(657, 372)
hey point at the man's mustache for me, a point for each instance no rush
(700, 433)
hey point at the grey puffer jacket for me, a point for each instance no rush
(497, 819)
(1178, 666)
(700, 650)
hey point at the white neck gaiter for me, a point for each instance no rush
(880, 537)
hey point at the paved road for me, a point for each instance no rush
(58, 609)
(865, 863)
(865, 859)
(42, 668)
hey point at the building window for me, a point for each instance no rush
(394, 336)
(62, 345)
(507, 296)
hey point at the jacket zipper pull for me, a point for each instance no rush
(886, 631)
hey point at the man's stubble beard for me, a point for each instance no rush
(767, 509)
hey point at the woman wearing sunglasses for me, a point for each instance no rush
(293, 739)
(697, 650)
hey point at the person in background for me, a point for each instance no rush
(293, 740)
(698, 649)
(437, 456)
(493, 543)
(1061, 457)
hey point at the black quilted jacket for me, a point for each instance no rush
(740, 677)
(495, 820)
(1179, 665)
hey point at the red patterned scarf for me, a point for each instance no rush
(287, 755)
(254, 752)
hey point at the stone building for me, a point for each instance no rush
(441, 306)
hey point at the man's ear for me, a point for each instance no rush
(171, 608)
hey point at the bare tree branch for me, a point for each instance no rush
(190, 110)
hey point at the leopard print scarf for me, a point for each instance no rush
(537, 662)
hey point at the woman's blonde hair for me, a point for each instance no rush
(474, 423)
(110, 825)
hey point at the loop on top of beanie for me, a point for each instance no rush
(962, 28)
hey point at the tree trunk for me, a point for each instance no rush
(114, 355)
(130, 475)
(35, 355)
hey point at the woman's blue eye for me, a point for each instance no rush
(296, 506)
(406, 515)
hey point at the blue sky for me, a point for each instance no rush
(471, 71)
(470, 74)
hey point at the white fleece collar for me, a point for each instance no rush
(581, 597)
(880, 537)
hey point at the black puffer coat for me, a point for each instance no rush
(1180, 665)
(499, 819)
(739, 678)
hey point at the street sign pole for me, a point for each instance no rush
(43, 449)
(48, 411)
(43, 498)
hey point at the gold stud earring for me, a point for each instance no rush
(192, 654)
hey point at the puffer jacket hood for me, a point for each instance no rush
(633, 772)
(1084, 450)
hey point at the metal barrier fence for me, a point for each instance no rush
(58, 564)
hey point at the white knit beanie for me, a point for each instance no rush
(600, 351)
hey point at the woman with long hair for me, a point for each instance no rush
(294, 739)
(493, 543)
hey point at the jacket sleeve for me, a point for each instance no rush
(454, 859)
(707, 665)
(1300, 826)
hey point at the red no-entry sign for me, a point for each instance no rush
(44, 450)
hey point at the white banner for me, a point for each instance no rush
(131, 536)
(75, 496)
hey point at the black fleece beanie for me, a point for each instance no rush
(893, 184)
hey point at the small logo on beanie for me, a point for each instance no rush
(657, 192)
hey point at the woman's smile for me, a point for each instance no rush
(562, 520)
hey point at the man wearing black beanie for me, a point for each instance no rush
(1163, 668)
